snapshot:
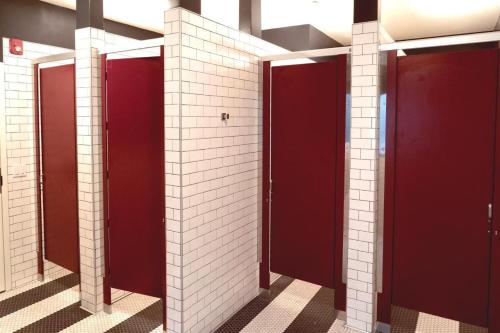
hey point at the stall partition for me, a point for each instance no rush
(303, 177)
(56, 171)
(441, 194)
(133, 158)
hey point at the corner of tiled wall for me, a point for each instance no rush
(212, 169)
(88, 41)
(20, 173)
(361, 286)
(173, 170)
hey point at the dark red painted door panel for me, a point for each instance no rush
(303, 170)
(58, 136)
(445, 132)
(135, 162)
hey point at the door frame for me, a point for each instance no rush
(104, 128)
(38, 64)
(384, 298)
(265, 260)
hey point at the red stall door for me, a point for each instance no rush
(445, 133)
(304, 134)
(58, 142)
(135, 185)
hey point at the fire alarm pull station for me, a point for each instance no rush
(16, 46)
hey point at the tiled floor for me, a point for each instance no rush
(53, 306)
(408, 321)
(301, 307)
(290, 306)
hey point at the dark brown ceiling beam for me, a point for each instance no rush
(366, 10)
(250, 17)
(299, 38)
(89, 13)
(40, 22)
(192, 5)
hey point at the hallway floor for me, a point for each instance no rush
(291, 306)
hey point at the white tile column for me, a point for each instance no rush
(173, 170)
(361, 286)
(89, 154)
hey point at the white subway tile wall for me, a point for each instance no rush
(89, 154)
(19, 122)
(212, 169)
(361, 286)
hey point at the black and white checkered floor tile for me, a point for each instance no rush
(54, 306)
(291, 306)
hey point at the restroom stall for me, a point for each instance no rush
(56, 171)
(303, 176)
(441, 189)
(133, 164)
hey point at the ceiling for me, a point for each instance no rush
(409, 19)
(403, 19)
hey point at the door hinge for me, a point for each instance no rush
(1, 181)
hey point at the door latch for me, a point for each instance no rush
(490, 217)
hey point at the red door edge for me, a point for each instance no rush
(494, 297)
(340, 287)
(264, 271)
(76, 163)
(384, 299)
(36, 108)
(104, 122)
(164, 240)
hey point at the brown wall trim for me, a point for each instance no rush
(126, 30)
(1, 49)
(40, 22)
